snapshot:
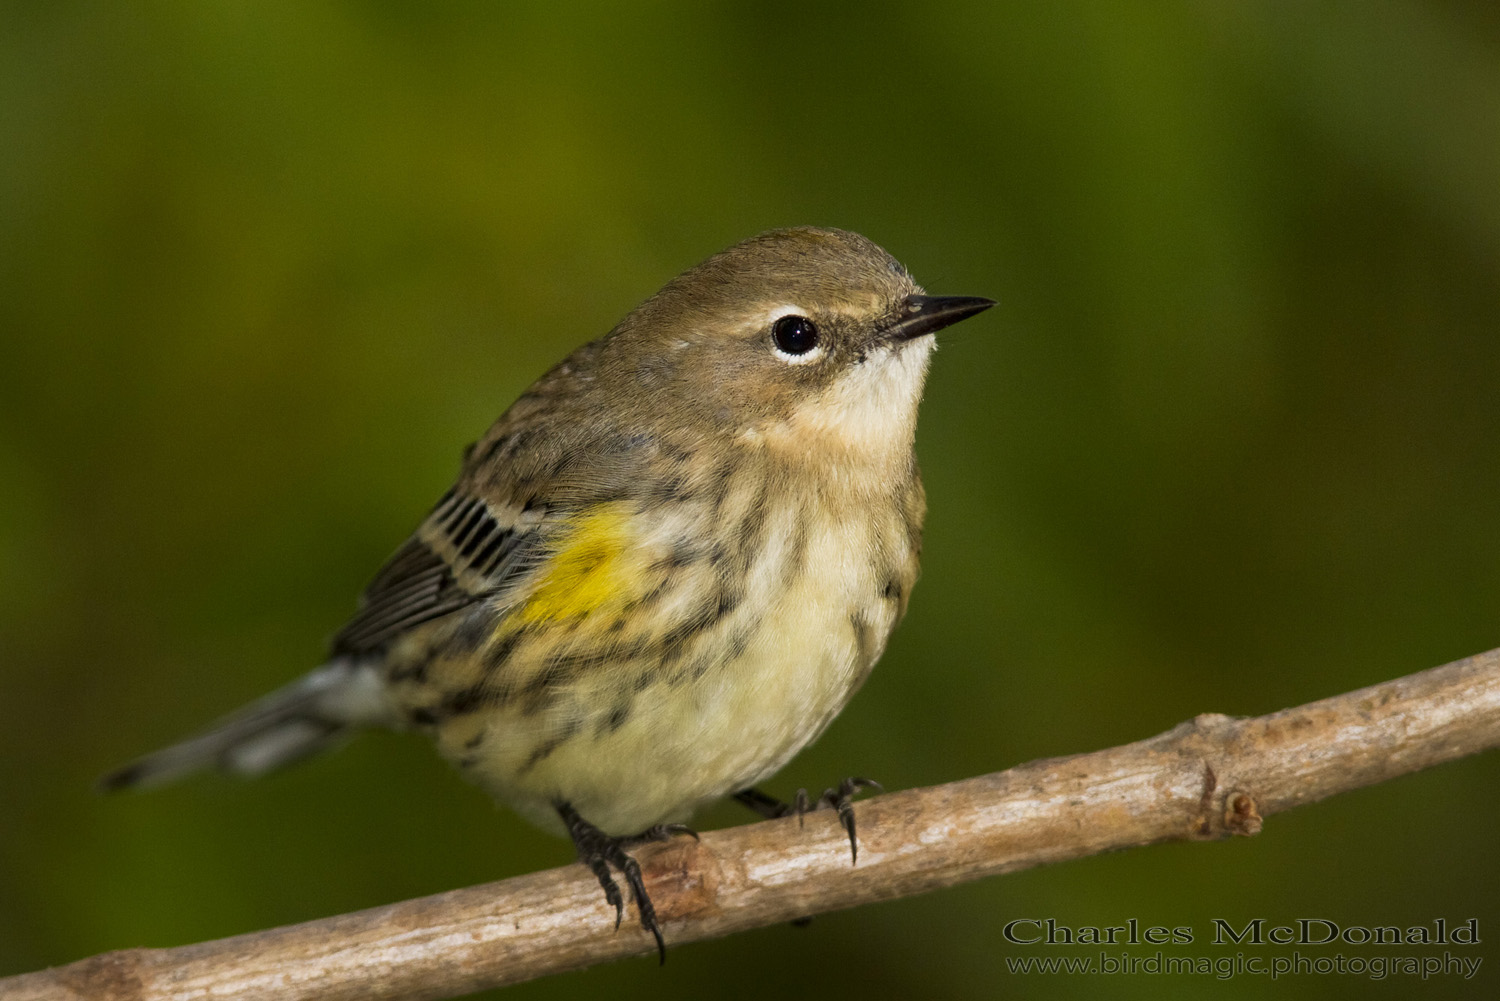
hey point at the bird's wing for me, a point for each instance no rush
(466, 549)
(517, 486)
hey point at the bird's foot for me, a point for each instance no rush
(600, 852)
(840, 799)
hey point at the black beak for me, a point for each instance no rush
(926, 314)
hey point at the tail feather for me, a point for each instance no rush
(289, 724)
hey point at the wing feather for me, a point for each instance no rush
(463, 552)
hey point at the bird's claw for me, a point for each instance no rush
(601, 852)
(840, 799)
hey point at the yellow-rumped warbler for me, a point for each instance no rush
(662, 572)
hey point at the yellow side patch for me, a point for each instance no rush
(589, 570)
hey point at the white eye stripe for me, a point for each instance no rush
(784, 310)
(802, 359)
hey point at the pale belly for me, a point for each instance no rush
(763, 688)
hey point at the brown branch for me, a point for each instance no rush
(1208, 778)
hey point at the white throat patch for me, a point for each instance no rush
(870, 410)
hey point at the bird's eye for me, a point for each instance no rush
(794, 335)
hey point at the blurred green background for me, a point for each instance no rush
(1227, 444)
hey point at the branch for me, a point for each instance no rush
(1210, 777)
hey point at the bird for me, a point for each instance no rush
(661, 573)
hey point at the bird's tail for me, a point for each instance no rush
(290, 723)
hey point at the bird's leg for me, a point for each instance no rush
(839, 799)
(768, 807)
(600, 851)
